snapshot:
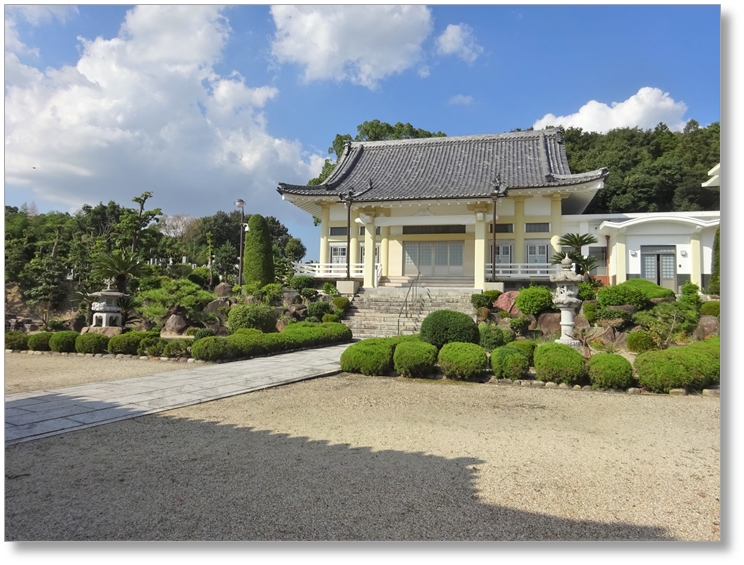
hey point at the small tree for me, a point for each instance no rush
(40, 286)
(714, 286)
(295, 250)
(258, 263)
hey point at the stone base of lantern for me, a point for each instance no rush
(575, 343)
(108, 331)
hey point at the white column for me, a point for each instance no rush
(479, 271)
(696, 274)
(325, 218)
(369, 254)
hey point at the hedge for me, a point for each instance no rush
(16, 341)
(527, 347)
(63, 342)
(126, 344)
(298, 282)
(91, 343)
(648, 288)
(178, 348)
(608, 370)
(372, 356)
(509, 362)
(559, 363)
(446, 326)
(480, 301)
(151, 346)
(622, 294)
(492, 294)
(463, 361)
(39, 341)
(415, 359)
(258, 316)
(202, 333)
(691, 368)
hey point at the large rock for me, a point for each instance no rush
(580, 323)
(627, 307)
(176, 324)
(219, 307)
(298, 311)
(223, 290)
(549, 323)
(292, 297)
(707, 326)
(505, 302)
(109, 331)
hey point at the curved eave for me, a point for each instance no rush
(610, 228)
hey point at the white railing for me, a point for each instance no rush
(522, 270)
(378, 274)
(329, 270)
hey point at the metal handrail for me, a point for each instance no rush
(404, 306)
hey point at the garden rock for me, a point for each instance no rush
(107, 331)
(291, 297)
(656, 301)
(215, 306)
(298, 311)
(707, 326)
(176, 324)
(549, 323)
(223, 290)
(620, 339)
(505, 302)
(580, 323)
(627, 307)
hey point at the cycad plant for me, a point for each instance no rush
(576, 241)
(117, 266)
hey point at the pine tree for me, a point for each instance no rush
(258, 259)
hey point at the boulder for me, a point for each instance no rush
(223, 290)
(580, 323)
(533, 321)
(176, 324)
(109, 331)
(550, 323)
(297, 311)
(291, 297)
(217, 307)
(707, 326)
(505, 302)
(620, 339)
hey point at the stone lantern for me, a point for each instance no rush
(566, 299)
(106, 313)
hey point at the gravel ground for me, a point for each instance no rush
(371, 458)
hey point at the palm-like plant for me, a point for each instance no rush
(577, 241)
(117, 266)
(128, 314)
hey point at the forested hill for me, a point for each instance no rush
(650, 171)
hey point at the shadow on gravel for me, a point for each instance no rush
(165, 478)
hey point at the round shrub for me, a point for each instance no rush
(177, 348)
(712, 308)
(607, 370)
(330, 288)
(63, 342)
(491, 337)
(151, 345)
(126, 344)
(480, 301)
(259, 316)
(91, 343)
(445, 326)
(661, 371)
(191, 331)
(341, 304)
(508, 362)
(298, 282)
(590, 312)
(559, 363)
(463, 361)
(527, 347)
(308, 293)
(534, 299)
(369, 357)
(16, 340)
(640, 341)
(202, 333)
(648, 288)
(39, 341)
(318, 309)
(415, 359)
(519, 325)
(492, 294)
(622, 294)
(212, 349)
(246, 345)
(586, 291)
(329, 318)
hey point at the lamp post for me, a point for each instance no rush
(347, 200)
(500, 190)
(240, 204)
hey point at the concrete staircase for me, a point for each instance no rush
(375, 312)
(436, 282)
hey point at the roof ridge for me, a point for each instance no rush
(460, 138)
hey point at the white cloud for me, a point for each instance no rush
(362, 44)
(645, 110)
(459, 40)
(461, 100)
(146, 111)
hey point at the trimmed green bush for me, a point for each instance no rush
(415, 359)
(492, 294)
(586, 291)
(491, 337)
(610, 314)
(712, 308)
(16, 341)
(243, 346)
(270, 293)
(177, 348)
(191, 332)
(370, 357)
(690, 296)
(640, 341)
(202, 333)
(214, 349)
(39, 341)
(63, 342)
(247, 331)
(622, 294)
(298, 282)
(126, 344)
(330, 318)
(649, 289)
(318, 309)
(330, 288)
(534, 299)
(258, 316)
(527, 347)
(258, 258)
(590, 312)
(480, 301)
(446, 326)
(341, 304)
(681, 367)
(463, 361)
(607, 370)
(309, 293)
(155, 347)
(519, 325)
(559, 363)
(91, 343)
(508, 362)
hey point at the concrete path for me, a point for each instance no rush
(33, 415)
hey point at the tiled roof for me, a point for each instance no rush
(449, 167)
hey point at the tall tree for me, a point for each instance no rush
(258, 263)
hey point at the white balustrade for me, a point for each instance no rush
(522, 270)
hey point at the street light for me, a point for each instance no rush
(240, 204)
(500, 190)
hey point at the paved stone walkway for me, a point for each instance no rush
(33, 415)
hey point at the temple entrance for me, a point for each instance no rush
(433, 259)
(658, 265)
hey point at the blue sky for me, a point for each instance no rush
(202, 105)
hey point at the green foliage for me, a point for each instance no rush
(607, 370)
(202, 333)
(126, 344)
(295, 250)
(480, 301)
(519, 325)
(341, 304)
(16, 341)
(308, 294)
(509, 362)
(39, 341)
(527, 347)
(63, 342)
(622, 294)
(534, 299)
(247, 331)
(666, 320)
(318, 309)
(690, 296)
(649, 289)
(258, 263)
(611, 314)
(298, 282)
(491, 336)
(178, 348)
(257, 316)
(270, 294)
(330, 289)
(200, 276)
(577, 241)
(369, 357)
(714, 285)
(463, 361)
(415, 359)
(586, 291)
(445, 326)
(40, 284)
(559, 363)
(590, 312)
(492, 295)
(691, 368)
(91, 343)
(640, 341)
(118, 266)
(330, 318)
(213, 349)
(157, 303)
(711, 308)
(503, 315)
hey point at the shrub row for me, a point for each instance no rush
(509, 362)
(692, 367)
(374, 356)
(445, 326)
